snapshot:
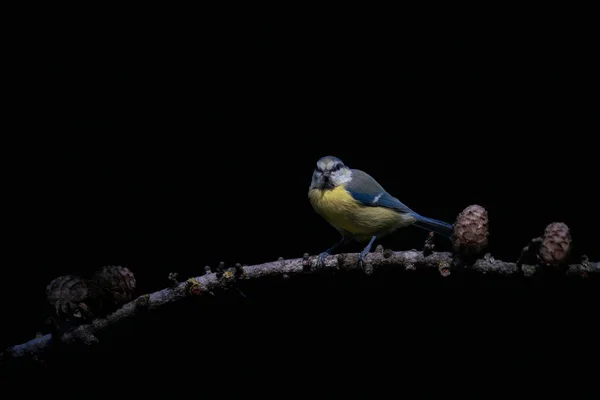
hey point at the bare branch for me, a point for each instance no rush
(444, 263)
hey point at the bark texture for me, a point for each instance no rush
(442, 263)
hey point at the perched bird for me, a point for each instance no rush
(359, 207)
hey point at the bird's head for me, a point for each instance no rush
(330, 172)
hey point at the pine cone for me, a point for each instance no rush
(470, 234)
(119, 281)
(74, 298)
(556, 244)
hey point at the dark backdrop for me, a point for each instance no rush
(170, 146)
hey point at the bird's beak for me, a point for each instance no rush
(327, 181)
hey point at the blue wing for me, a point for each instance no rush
(364, 189)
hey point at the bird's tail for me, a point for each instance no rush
(439, 227)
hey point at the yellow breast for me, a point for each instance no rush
(339, 209)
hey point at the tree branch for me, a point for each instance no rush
(444, 263)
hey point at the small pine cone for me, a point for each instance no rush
(59, 288)
(556, 244)
(119, 281)
(470, 234)
(73, 297)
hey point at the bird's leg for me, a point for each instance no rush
(364, 252)
(327, 252)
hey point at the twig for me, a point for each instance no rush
(529, 254)
(223, 278)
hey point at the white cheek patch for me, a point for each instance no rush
(343, 176)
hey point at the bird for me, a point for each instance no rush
(359, 208)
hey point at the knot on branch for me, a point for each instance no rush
(240, 273)
(444, 268)
(173, 278)
(228, 276)
(142, 302)
(193, 287)
(220, 270)
(306, 262)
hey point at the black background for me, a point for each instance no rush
(167, 144)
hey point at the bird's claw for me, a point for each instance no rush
(367, 269)
(361, 261)
(321, 259)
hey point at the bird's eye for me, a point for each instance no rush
(336, 167)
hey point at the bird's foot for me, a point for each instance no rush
(362, 264)
(321, 259)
